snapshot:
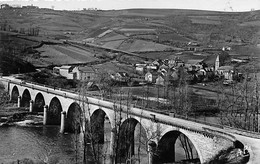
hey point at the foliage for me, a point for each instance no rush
(27, 161)
(230, 155)
(47, 78)
(4, 97)
(240, 105)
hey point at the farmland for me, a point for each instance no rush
(150, 33)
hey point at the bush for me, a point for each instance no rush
(28, 161)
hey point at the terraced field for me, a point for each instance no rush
(64, 55)
(142, 46)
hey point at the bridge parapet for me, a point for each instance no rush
(210, 138)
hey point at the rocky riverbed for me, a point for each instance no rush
(10, 116)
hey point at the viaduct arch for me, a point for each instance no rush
(54, 112)
(206, 143)
(14, 94)
(26, 97)
(39, 103)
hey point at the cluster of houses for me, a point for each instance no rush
(86, 73)
(162, 72)
(168, 71)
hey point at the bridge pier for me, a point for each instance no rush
(151, 150)
(63, 121)
(31, 106)
(112, 145)
(45, 109)
(19, 101)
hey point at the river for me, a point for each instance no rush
(45, 143)
(40, 143)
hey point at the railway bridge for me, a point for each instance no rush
(66, 108)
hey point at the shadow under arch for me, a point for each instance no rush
(14, 94)
(74, 118)
(39, 103)
(26, 97)
(132, 140)
(166, 153)
(54, 112)
(238, 144)
(97, 126)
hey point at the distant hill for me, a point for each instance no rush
(139, 30)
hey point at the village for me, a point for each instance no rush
(218, 66)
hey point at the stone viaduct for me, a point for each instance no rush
(65, 108)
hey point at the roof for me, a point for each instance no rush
(65, 67)
(86, 69)
(223, 57)
(194, 61)
(123, 74)
(210, 60)
(226, 67)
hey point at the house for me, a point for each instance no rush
(176, 62)
(226, 48)
(150, 77)
(157, 62)
(140, 68)
(227, 71)
(192, 48)
(86, 73)
(56, 70)
(193, 44)
(173, 75)
(121, 77)
(65, 71)
(163, 68)
(193, 64)
(151, 67)
(5, 6)
(211, 62)
(160, 80)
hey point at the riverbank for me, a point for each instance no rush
(10, 116)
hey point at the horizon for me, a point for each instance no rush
(212, 5)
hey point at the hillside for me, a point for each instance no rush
(143, 31)
(93, 23)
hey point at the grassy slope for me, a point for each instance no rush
(209, 27)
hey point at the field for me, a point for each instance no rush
(148, 32)
(58, 55)
(113, 44)
(142, 46)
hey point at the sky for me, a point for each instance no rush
(216, 5)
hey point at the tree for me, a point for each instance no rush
(4, 97)
(239, 104)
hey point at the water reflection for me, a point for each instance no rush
(41, 143)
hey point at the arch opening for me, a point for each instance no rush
(38, 103)
(97, 124)
(132, 141)
(99, 127)
(175, 146)
(238, 144)
(73, 119)
(54, 112)
(14, 94)
(26, 97)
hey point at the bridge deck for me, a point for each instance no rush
(171, 119)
